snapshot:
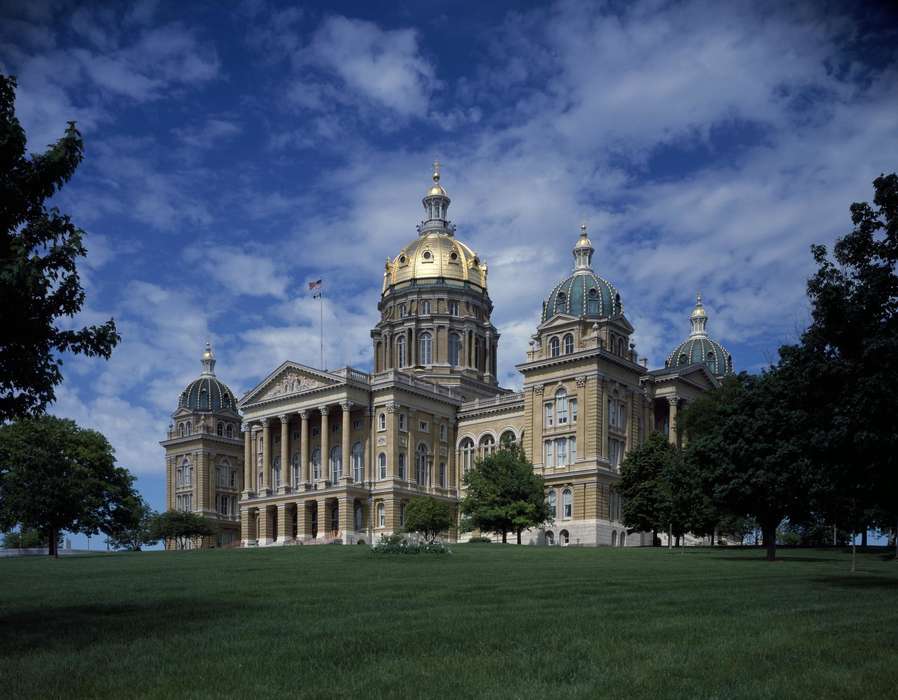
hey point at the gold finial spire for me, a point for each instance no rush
(583, 230)
(436, 171)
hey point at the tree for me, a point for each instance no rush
(504, 495)
(39, 282)
(131, 525)
(182, 527)
(428, 516)
(645, 488)
(24, 539)
(56, 476)
(752, 443)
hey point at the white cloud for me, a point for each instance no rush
(240, 272)
(208, 134)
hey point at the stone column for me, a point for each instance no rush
(304, 448)
(247, 459)
(582, 412)
(347, 516)
(265, 529)
(246, 538)
(368, 465)
(303, 521)
(345, 446)
(285, 534)
(286, 470)
(325, 445)
(265, 488)
(392, 447)
(323, 519)
(672, 433)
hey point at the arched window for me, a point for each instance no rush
(564, 538)
(188, 427)
(381, 515)
(551, 502)
(276, 471)
(487, 445)
(621, 347)
(382, 421)
(402, 465)
(357, 472)
(425, 349)
(466, 455)
(567, 504)
(219, 429)
(359, 517)
(335, 461)
(295, 466)
(561, 406)
(316, 463)
(623, 538)
(554, 347)
(400, 351)
(507, 439)
(550, 538)
(454, 349)
(421, 465)
(592, 302)
(614, 538)
(568, 344)
(181, 432)
(230, 430)
(381, 466)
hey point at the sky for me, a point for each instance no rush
(236, 151)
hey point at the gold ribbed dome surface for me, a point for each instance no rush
(435, 255)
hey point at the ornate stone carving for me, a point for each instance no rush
(289, 382)
(538, 389)
(581, 382)
(284, 418)
(304, 414)
(324, 410)
(346, 405)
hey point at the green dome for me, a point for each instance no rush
(208, 393)
(699, 348)
(583, 294)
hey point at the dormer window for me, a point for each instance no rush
(402, 260)
(428, 256)
(554, 347)
(453, 257)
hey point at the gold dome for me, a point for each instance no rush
(435, 255)
(699, 310)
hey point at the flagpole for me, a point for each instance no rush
(321, 311)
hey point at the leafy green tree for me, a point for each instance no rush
(39, 283)
(24, 539)
(131, 524)
(55, 476)
(504, 494)
(645, 487)
(181, 527)
(428, 516)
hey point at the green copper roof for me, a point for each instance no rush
(583, 294)
(702, 349)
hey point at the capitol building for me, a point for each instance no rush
(315, 456)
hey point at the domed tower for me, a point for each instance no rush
(698, 348)
(204, 454)
(434, 308)
(583, 311)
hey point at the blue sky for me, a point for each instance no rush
(234, 151)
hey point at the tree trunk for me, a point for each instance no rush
(655, 542)
(864, 538)
(677, 541)
(853, 553)
(52, 550)
(896, 540)
(669, 535)
(504, 536)
(769, 533)
(713, 536)
(519, 536)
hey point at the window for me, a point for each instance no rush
(551, 501)
(561, 452)
(453, 308)
(276, 471)
(614, 538)
(402, 311)
(564, 538)
(181, 432)
(335, 427)
(561, 406)
(572, 407)
(550, 538)
(425, 347)
(295, 466)
(466, 455)
(219, 429)
(232, 479)
(357, 471)
(572, 449)
(592, 302)
(454, 348)
(357, 424)
(567, 504)
(425, 308)
(401, 514)
(615, 452)
(336, 463)
(184, 501)
(188, 427)
(402, 425)
(400, 351)
(381, 421)
(621, 347)
(184, 474)
(381, 466)
(359, 519)
(617, 414)
(549, 449)
(421, 466)
(402, 465)
(316, 464)
(487, 445)
(623, 538)
(229, 430)
(227, 505)
(568, 344)
(554, 347)
(507, 439)
(442, 475)
(316, 430)
(381, 515)
(444, 432)
(550, 415)
(423, 426)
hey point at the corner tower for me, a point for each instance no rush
(435, 310)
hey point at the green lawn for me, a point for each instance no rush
(487, 621)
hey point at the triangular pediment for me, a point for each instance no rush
(557, 321)
(288, 379)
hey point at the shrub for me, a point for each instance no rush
(397, 544)
(479, 540)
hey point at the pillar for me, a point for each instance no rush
(286, 470)
(285, 532)
(247, 459)
(672, 433)
(368, 465)
(345, 446)
(347, 515)
(304, 447)
(323, 519)
(303, 520)
(265, 529)
(325, 445)
(266, 457)
(246, 534)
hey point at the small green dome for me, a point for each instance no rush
(584, 293)
(208, 393)
(699, 348)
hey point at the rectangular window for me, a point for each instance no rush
(550, 413)
(442, 474)
(561, 404)
(572, 404)
(444, 433)
(315, 431)
(402, 313)
(561, 451)
(550, 454)
(357, 424)
(402, 425)
(615, 453)
(425, 308)
(233, 479)
(453, 308)
(423, 426)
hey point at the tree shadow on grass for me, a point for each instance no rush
(860, 581)
(79, 626)
(778, 560)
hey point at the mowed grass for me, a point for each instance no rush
(487, 621)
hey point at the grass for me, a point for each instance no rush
(487, 621)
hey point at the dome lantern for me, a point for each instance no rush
(436, 206)
(207, 392)
(699, 348)
(208, 361)
(698, 318)
(583, 251)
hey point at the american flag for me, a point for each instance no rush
(316, 287)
